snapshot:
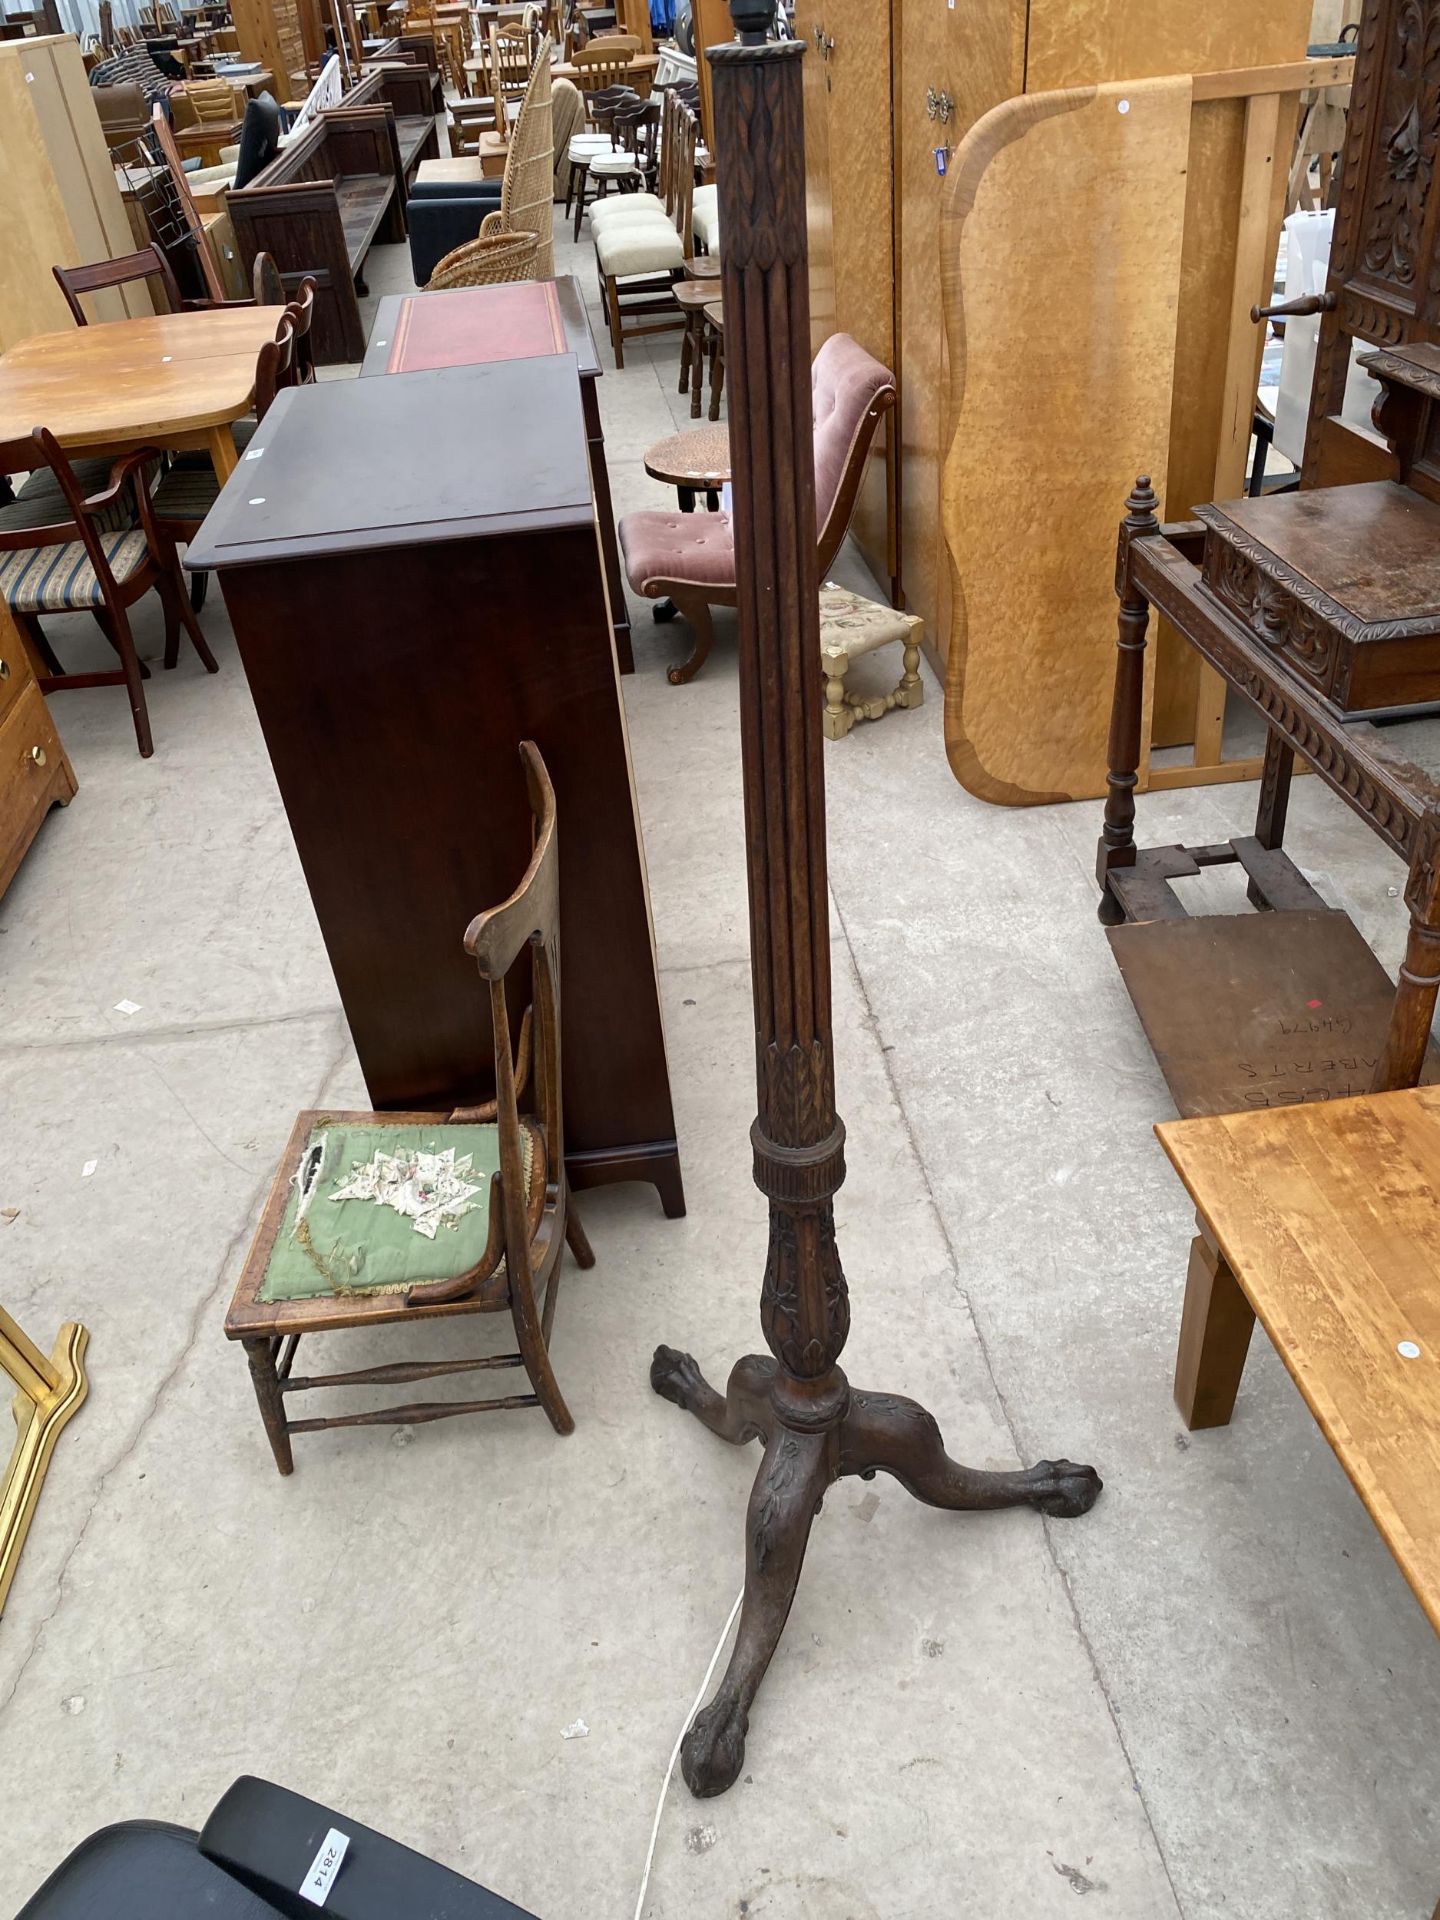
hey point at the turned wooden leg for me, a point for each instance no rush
(697, 362)
(266, 1382)
(612, 300)
(1408, 1036)
(837, 718)
(786, 1497)
(1215, 1329)
(886, 1433)
(1274, 802)
(911, 690)
(1117, 839)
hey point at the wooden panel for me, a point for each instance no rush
(1239, 152)
(60, 205)
(975, 53)
(713, 26)
(1047, 424)
(1082, 42)
(270, 32)
(1328, 1217)
(819, 187)
(854, 80)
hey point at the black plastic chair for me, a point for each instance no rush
(259, 1847)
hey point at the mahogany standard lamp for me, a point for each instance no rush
(814, 1425)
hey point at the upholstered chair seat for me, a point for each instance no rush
(639, 248)
(705, 217)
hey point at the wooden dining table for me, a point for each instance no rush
(175, 381)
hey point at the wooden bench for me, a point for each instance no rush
(414, 95)
(318, 208)
(1324, 1221)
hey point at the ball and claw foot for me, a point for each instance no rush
(676, 1377)
(713, 1751)
(1072, 1490)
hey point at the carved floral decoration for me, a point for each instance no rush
(1409, 133)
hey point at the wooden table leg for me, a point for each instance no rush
(1414, 1009)
(223, 454)
(1274, 802)
(1215, 1330)
(1117, 839)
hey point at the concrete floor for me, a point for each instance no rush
(1212, 1697)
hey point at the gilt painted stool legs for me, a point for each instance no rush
(798, 1402)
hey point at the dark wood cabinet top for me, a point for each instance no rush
(1369, 553)
(461, 453)
(469, 326)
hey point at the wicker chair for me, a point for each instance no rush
(486, 262)
(526, 203)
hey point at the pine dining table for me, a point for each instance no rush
(174, 381)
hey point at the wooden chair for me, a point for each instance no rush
(146, 263)
(688, 559)
(327, 1257)
(512, 60)
(596, 150)
(639, 248)
(62, 551)
(605, 62)
(189, 488)
(149, 263)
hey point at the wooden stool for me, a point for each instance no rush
(694, 462)
(693, 297)
(849, 627)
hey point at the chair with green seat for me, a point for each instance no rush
(65, 548)
(387, 1218)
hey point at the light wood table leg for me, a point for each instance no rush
(50, 1391)
(1215, 1330)
(223, 454)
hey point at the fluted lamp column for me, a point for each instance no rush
(815, 1427)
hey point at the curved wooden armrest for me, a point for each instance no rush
(486, 1111)
(436, 1292)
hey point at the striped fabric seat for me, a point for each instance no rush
(62, 579)
(186, 493)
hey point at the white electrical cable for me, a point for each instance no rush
(675, 1751)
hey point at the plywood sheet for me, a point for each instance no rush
(1061, 251)
(974, 52)
(60, 204)
(1082, 42)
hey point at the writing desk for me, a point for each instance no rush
(475, 326)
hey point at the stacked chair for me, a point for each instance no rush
(643, 239)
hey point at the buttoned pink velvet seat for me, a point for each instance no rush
(690, 557)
